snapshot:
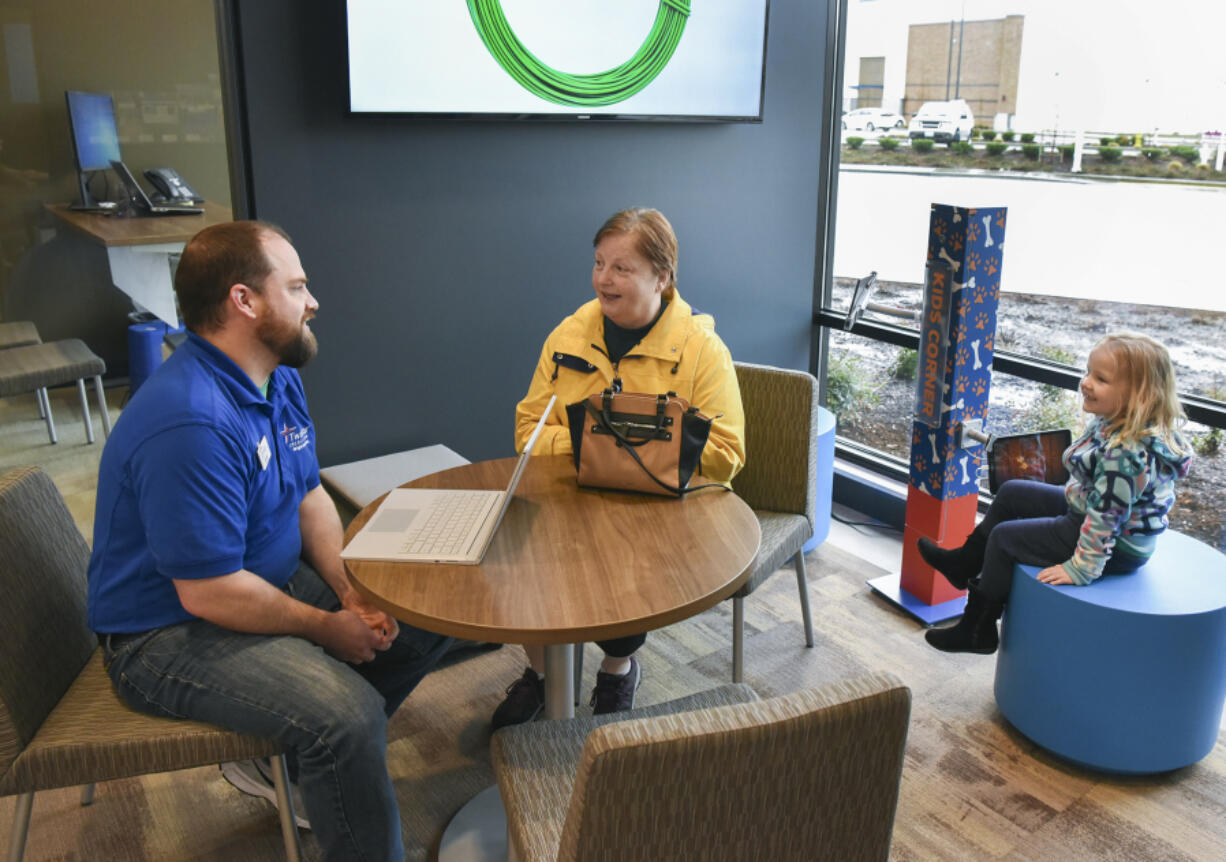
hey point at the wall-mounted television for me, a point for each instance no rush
(701, 60)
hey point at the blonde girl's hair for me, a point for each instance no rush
(653, 238)
(1152, 406)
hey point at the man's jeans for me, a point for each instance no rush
(330, 716)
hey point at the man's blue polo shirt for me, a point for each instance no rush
(202, 476)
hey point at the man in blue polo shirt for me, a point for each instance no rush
(215, 581)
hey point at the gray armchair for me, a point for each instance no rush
(778, 482)
(61, 723)
(812, 775)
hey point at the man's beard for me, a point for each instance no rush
(293, 346)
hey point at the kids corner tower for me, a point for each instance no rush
(953, 379)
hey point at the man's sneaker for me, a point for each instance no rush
(614, 693)
(254, 777)
(524, 701)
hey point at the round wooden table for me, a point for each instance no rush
(569, 565)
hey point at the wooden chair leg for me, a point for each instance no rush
(738, 640)
(804, 597)
(21, 827)
(106, 415)
(89, 422)
(87, 794)
(285, 809)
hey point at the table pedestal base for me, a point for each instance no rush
(478, 831)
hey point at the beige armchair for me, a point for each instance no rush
(811, 775)
(778, 482)
(61, 723)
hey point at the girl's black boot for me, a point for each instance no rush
(958, 565)
(975, 632)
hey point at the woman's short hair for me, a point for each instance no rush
(653, 238)
(214, 260)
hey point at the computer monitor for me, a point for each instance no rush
(95, 140)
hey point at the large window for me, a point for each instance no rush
(1081, 123)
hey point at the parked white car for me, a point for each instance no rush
(871, 119)
(943, 121)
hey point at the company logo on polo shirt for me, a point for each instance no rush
(296, 438)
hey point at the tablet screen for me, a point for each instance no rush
(1034, 455)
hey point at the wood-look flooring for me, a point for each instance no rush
(972, 787)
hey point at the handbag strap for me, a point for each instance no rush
(602, 417)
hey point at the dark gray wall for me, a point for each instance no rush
(443, 252)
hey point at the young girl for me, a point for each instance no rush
(1104, 521)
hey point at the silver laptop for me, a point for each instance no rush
(141, 200)
(427, 525)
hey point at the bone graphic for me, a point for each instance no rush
(957, 405)
(957, 216)
(932, 441)
(923, 488)
(987, 230)
(975, 347)
(944, 255)
(965, 476)
(970, 282)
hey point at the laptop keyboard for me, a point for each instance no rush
(448, 529)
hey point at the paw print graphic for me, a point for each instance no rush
(960, 386)
(979, 388)
(988, 341)
(921, 463)
(951, 474)
(915, 437)
(972, 231)
(955, 244)
(993, 266)
(982, 319)
(934, 480)
(1000, 221)
(963, 355)
(972, 261)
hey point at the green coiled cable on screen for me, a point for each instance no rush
(581, 91)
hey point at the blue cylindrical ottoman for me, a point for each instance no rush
(1127, 674)
(825, 477)
(144, 351)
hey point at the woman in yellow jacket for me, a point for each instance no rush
(639, 329)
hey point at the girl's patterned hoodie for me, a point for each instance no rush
(1124, 492)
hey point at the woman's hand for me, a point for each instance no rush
(1054, 575)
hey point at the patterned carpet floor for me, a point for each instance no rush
(972, 787)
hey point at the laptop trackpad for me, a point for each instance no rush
(392, 520)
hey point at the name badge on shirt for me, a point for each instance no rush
(263, 452)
